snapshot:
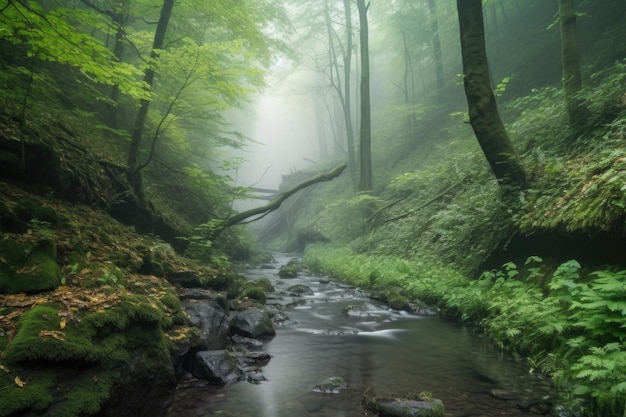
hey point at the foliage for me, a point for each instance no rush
(572, 328)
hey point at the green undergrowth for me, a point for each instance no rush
(569, 325)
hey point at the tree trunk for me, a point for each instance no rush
(483, 111)
(347, 71)
(436, 46)
(134, 175)
(365, 139)
(572, 79)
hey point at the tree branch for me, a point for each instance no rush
(280, 198)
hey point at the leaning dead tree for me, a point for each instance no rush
(276, 201)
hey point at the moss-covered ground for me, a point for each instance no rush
(100, 318)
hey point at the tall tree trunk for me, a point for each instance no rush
(134, 174)
(347, 71)
(436, 46)
(365, 151)
(572, 79)
(483, 111)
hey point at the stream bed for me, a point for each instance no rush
(339, 331)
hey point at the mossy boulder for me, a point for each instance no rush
(421, 405)
(288, 271)
(299, 290)
(28, 269)
(254, 293)
(29, 209)
(113, 361)
(264, 283)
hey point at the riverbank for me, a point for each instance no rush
(566, 324)
(331, 330)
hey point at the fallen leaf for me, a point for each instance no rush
(4, 368)
(55, 334)
(19, 382)
(63, 323)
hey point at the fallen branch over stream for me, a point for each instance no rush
(279, 199)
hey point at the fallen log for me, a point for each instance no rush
(277, 200)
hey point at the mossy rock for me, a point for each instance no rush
(28, 269)
(90, 363)
(300, 290)
(254, 293)
(288, 271)
(398, 302)
(29, 209)
(264, 283)
(9, 221)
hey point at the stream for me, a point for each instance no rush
(339, 331)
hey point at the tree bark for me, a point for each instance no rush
(134, 175)
(365, 138)
(570, 58)
(483, 111)
(347, 71)
(436, 45)
(279, 199)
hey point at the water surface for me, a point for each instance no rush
(341, 332)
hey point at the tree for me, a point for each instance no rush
(483, 111)
(134, 175)
(570, 57)
(365, 137)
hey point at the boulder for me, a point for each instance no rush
(218, 367)
(422, 405)
(252, 323)
(332, 385)
(299, 290)
(211, 320)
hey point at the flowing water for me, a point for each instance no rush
(339, 331)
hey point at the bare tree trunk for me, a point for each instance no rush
(572, 80)
(436, 46)
(483, 111)
(365, 138)
(134, 175)
(347, 71)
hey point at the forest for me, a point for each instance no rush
(465, 158)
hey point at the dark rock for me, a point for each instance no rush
(267, 266)
(256, 377)
(218, 367)
(252, 323)
(247, 359)
(212, 321)
(332, 385)
(296, 303)
(422, 405)
(246, 341)
(298, 290)
(502, 394)
(200, 294)
(280, 319)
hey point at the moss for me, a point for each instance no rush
(27, 269)
(290, 270)
(36, 395)
(73, 344)
(264, 283)
(173, 307)
(29, 209)
(254, 293)
(398, 302)
(82, 364)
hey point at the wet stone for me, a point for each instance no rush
(332, 385)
